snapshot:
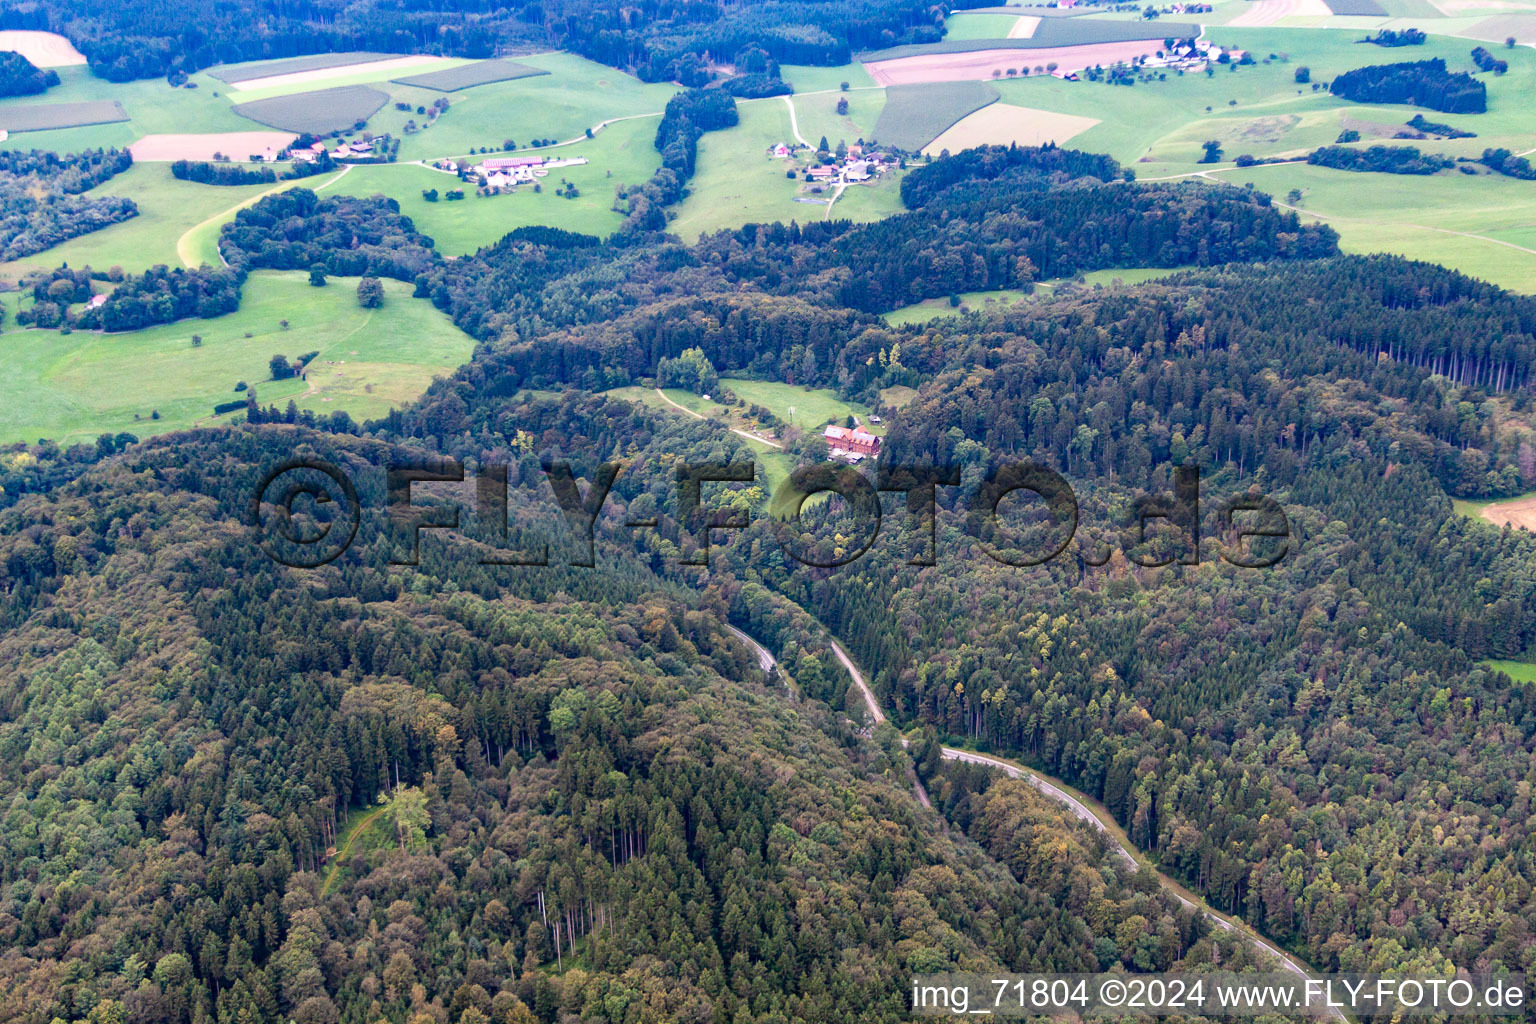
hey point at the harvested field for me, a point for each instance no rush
(38, 117)
(1367, 8)
(466, 76)
(1024, 28)
(979, 65)
(234, 73)
(915, 114)
(327, 110)
(1267, 12)
(1498, 29)
(235, 145)
(325, 74)
(1521, 513)
(43, 49)
(1051, 33)
(1002, 123)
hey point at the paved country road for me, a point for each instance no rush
(1076, 804)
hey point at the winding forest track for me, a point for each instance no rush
(345, 849)
(1085, 809)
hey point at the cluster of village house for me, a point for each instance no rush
(857, 166)
(1192, 54)
(506, 172)
(359, 150)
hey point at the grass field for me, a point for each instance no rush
(874, 201)
(1427, 218)
(151, 105)
(1151, 125)
(965, 25)
(735, 183)
(806, 78)
(814, 407)
(915, 115)
(73, 387)
(999, 299)
(623, 152)
(929, 309)
(1519, 671)
(467, 76)
(167, 208)
(576, 95)
(817, 115)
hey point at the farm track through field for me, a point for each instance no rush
(794, 125)
(1082, 807)
(700, 416)
(573, 140)
(184, 243)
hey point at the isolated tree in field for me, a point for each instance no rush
(1212, 151)
(280, 368)
(197, 341)
(842, 104)
(317, 275)
(370, 293)
(1293, 196)
(844, 85)
(1303, 75)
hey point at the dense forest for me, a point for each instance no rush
(1424, 83)
(666, 41)
(41, 203)
(420, 784)
(1381, 159)
(19, 77)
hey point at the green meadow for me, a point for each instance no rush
(72, 387)
(736, 183)
(817, 116)
(152, 106)
(167, 209)
(813, 407)
(576, 95)
(966, 25)
(1519, 671)
(1002, 298)
(623, 152)
(1482, 225)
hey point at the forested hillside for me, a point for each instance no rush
(589, 802)
(589, 798)
(667, 41)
